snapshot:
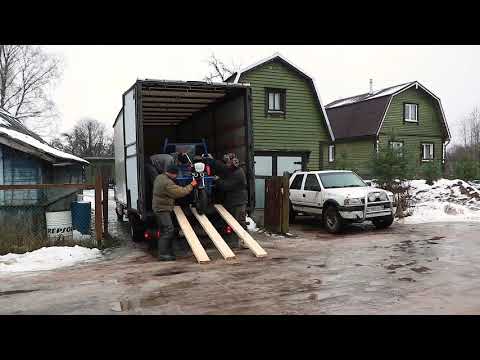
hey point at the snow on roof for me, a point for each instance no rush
(12, 128)
(367, 96)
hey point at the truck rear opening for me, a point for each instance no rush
(182, 112)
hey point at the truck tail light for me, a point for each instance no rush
(228, 230)
(146, 235)
(158, 234)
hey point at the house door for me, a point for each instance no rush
(274, 164)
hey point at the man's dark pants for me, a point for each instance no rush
(167, 232)
(239, 212)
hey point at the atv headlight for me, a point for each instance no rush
(199, 167)
(352, 201)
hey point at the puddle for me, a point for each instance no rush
(407, 279)
(420, 269)
(13, 292)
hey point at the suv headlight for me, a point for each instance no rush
(391, 197)
(383, 196)
(352, 201)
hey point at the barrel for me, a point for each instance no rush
(81, 219)
(59, 226)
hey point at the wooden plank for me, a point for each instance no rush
(47, 186)
(195, 245)
(216, 238)
(241, 232)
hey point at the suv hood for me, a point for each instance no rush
(355, 192)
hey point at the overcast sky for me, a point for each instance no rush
(96, 76)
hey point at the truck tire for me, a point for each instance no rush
(136, 228)
(119, 215)
(383, 223)
(202, 202)
(292, 215)
(332, 221)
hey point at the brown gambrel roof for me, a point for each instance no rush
(362, 115)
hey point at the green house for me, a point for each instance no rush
(364, 124)
(290, 125)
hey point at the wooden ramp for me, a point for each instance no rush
(241, 232)
(217, 239)
(195, 245)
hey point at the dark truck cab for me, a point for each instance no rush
(182, 112)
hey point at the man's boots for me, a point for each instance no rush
(165, 247)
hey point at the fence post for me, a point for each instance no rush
(105, 205)
(285, 204)
(98, 209)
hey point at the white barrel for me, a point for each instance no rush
(59, 225)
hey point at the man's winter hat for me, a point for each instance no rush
(172, 169)
(231, 157)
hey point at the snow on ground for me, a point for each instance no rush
(47, 258)
(251, 226)
(445, 200)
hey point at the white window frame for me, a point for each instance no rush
(331, 153)
(278, 101)
(396, 142)
(408, 113)
(431, 152)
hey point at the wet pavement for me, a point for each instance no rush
(406, 269)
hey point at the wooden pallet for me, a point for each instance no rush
(241, 232)
(195, 245)
(216, 238)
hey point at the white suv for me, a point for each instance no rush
(339, 196)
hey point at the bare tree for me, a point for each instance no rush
(27, 76)
(88, 138)
(218, 70)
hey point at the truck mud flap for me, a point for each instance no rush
(192, 239)
(250, 242)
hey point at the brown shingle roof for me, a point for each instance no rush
(358, 119)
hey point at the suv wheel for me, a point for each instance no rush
(383, 223)
(332, 221)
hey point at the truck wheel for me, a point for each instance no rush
(119, 214)
(202, 202)
(136, 228)
(292, 215)
(332, 221)
(383, 223)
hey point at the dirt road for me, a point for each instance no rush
(407, 269)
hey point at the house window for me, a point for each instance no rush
(331, 153)
(275, 100)
(397, 146)
(410, 112)
(427, 152)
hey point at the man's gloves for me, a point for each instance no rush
(216, 177)
(194, 183)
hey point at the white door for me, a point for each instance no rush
(312, 195)
(131, 146)
(296, 191)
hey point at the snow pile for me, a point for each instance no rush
(47, 258)
(445, 200)
(251, 225)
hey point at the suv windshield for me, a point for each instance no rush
(341, 180)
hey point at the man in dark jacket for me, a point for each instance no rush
(233, 183)
(165, 191)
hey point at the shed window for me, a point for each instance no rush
(275, 100)
(331, 153)
(427, 152)
(411, 112)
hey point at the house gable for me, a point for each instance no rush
(302, 127)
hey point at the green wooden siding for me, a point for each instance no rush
(302, 128)
(352, 155)
(428, 130)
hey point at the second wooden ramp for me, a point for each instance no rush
(195, 245)
(216, 238)
(241, 232)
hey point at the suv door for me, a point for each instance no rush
(312, 195)
(296, 190)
